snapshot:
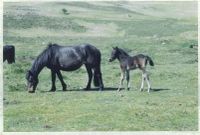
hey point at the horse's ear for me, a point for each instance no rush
(115, 47)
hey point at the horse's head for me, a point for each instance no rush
(114, 54)
(32, 82)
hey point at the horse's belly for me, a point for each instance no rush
(70, 67)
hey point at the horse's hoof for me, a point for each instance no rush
(118, 90)
(52, 90)
(87, 88)
(100, 89)
(64, 88)
(31, 91)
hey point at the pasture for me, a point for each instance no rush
(162, 30)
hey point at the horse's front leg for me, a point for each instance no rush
(53, 78)
(121, 80)
(61, 80)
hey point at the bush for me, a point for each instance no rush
(65, 11)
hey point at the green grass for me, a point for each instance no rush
(152, 28)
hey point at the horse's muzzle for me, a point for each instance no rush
(30, 90)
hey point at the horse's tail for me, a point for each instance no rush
(97, 79)
(150, 61)
(97, 70)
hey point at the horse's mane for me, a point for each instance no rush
(46, 52)
(122, 52)
(43, 57)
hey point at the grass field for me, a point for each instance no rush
(162, 30)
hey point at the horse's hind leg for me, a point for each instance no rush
(128, 79)
(89, 71)
(61, 80)
(53, 78)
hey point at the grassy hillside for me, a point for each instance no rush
(162, 30)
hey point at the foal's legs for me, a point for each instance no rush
(61, 80)
(121, 79)
(89, 71)
(128, 79)
(148, 83)
(53, 78)
(142, 83)
(145, 76)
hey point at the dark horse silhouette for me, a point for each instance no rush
(67, 58)
(9, 53)
(128, 63)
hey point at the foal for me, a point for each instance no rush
(128, 63)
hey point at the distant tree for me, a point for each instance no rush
(65, 11)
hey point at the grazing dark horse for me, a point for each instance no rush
(66, 58)
(128, 63)
(9, 53)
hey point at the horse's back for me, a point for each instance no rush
(93, 54)
(88, 50)
(89, 47)
(8, 48)
(72, 57)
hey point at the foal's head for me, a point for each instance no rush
(117, 53)
(114, 54)
(32, 82)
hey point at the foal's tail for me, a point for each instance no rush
(150, 61)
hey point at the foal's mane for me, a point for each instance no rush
(122, 51)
